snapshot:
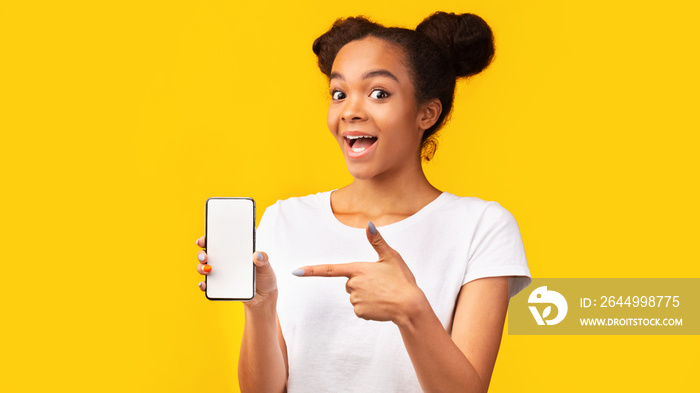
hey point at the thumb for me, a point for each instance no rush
(261, 261)
(377, 241)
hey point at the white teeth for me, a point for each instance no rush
(359, 136)
(358, 149)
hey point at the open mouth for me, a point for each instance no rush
(359, 143)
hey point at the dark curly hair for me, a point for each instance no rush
(442, 48)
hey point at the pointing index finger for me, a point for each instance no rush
(334, 270)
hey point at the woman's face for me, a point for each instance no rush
(373, 113)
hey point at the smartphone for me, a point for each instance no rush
(230, 243)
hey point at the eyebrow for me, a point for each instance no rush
(367, 75)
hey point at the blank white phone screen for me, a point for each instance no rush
(230, 242)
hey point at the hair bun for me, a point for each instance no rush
(466, 39)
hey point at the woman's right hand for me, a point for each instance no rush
(265, 279)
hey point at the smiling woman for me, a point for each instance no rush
(443, 266)
(365, 84)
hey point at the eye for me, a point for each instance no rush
(379, 94)
(337, 95)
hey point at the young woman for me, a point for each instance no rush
(395, 286)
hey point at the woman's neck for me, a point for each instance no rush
(383, 200)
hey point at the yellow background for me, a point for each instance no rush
(119, 119)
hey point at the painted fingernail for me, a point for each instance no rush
(200, 256)
(207, 268)
(197, 242)
(298, 272)
(259, 256)
(372, 228)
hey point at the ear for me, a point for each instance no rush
(429, 113)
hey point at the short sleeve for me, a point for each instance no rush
(497, 250)
(265, 231)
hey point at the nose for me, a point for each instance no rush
(353, 109)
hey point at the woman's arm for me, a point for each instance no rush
(262, 366)
(465, 361)
(386, 290)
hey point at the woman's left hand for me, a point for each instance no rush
(381, 291)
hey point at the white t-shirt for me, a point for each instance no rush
(451, 241)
